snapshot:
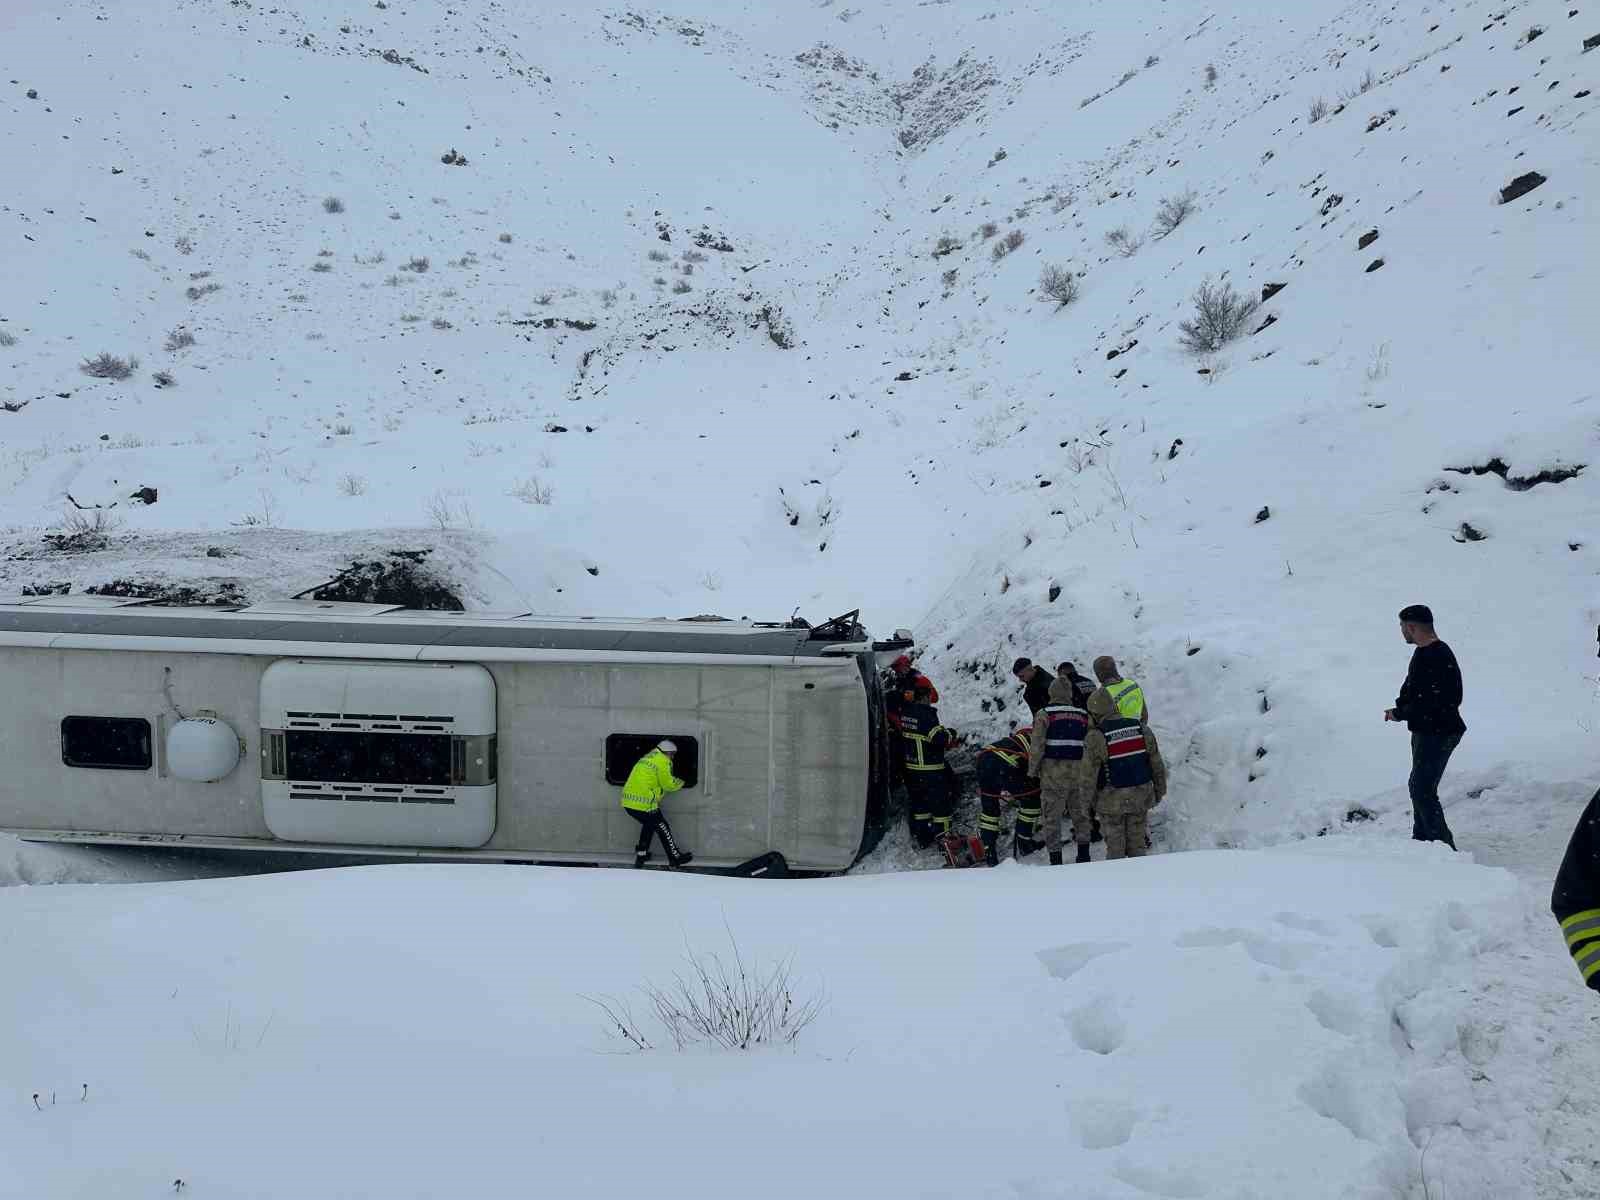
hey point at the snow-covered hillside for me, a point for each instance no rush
(719, 306)
(937, 444)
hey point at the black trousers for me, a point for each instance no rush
(928, 804)
(654, 825)
(1430, 754)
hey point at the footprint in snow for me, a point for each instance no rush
(1268, 951)
(1098, 1026)
(1173, 1182)
(1066, 961)
(1335, 1011)
(1101, 1123)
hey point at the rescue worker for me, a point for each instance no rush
(1576, 898)
(1135, 781)
(1116, 696)
(650, 780)
(1430, 705)
(1002, 769)
(1035, 683)
(923, 742)
(1056, 759)
(1082, 688)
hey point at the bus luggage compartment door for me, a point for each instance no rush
(378, 754)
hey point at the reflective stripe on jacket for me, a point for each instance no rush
(1063, 736)
(1575, 899)
(1128, 698)
(922, 738)
(650, 779)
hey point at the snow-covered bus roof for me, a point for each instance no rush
(346, 630)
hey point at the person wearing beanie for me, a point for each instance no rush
(1035, 681)
(1430, 705)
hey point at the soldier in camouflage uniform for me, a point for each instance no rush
(1056, 758)
(1135, 781)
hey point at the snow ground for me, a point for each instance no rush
(1015, 456)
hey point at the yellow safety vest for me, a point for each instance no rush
(1128, 698)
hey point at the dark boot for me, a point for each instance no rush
(683, 859)
(991, 857)
(1083, 853)
(1024, 846)
(1055, 858)
(640, 857)
(1094, 832)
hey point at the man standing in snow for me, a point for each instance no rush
(1135, 782)
(1035, 683)
(923, 742)
(650, 780)
(1082, 687)
(1116, 696)
(1430, 705)
(1003, 770)
(1056, 759)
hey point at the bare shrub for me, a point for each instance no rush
(196, 291)
(298, 297)
(1151, 61)
(441, 323)
(141, 255)
(946, 245)
(343, 429)
(392, 281)
(1318, 110)
(681, 287)
(178, 339)
(418, 264)
(608, 298)
(695, 256)
(533, 491)
(1211, 74)
(371, 260)
(658, 256)
(352, 485)
(1220, 314)
(7, 338)
(1007, 244)
(183, 244)
(545, 299)
(1174, 211)
(987, 230)
(322, 266)
(505, 239)
(1123, 242)
(164, 379)
(1058, 284)
(332, 204)
(109, 366)
(1368, 82)
(949, 277)
(82, 531)
(660, 281)
(410, 318)
(730, 1003)
(394, 215)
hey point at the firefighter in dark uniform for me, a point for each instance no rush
(923, 742)
(1002, 769)
(1576, 898)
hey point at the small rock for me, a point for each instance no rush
(1269, 290)
(1055, 592)
(1272, 319)
(904, 377)
(33, 93)
(145, 495)
(1374, 265)
(1469, 533)
(215, 552)
(1515, 110)
(1264, 515)
(1044, 483)
(1366, 239)
(1521, 186)
(552, 427)
(1177, 444)
(592, 570)
(1589, 43)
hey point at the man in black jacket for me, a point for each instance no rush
(1429, 704)
(1035, 683)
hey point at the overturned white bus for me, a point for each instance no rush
(370, 729)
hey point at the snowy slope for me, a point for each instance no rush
(215, 1024)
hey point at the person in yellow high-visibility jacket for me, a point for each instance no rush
(650, 780)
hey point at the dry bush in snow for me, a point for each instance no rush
(1211, 74)
(533, 491)
(196, 291)
(164, 379)
(1058, 284)
(322, 266)
(729, 1003)
(178, 339)
(7, 338)
(352, 485)
(332, 204)
(658, 256)
(1124, 243)
(1174, 211)
(81, 531)
(681, 287)
(1007, 244)
(1220, 314)
(418, 264)
(987, 230)
(505, 239)
(1318, 110)
(441, 323)
(946, 245)
(109, 366)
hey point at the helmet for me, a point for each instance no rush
(901, 665)
(667, 746)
